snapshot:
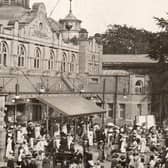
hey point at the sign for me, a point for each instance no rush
(147, 120)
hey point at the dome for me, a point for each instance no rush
(70, 17)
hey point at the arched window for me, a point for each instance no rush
(64, 63)
(37, 58)
(139, 87)
(72, 63)
(21, 55)
(3, 53)
(51, 60)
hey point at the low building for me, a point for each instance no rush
(124, 87)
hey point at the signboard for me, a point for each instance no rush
(147, 120)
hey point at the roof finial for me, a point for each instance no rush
(70, 9)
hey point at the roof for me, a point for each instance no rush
(70, 17)
(71, 105)
(53, 25)
(127, 58)
(11, 12)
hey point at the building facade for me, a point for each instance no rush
(39, 55)
(124, 87)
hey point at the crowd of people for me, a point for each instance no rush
(31, 146)
(136, 147)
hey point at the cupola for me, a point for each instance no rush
(70, 25)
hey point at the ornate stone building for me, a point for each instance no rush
(39, 55)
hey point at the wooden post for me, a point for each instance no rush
(104, 88)
(47, 122)
(115, 98)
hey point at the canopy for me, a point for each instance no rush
(71, 105)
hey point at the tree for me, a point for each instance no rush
(158, 50)
(158, 47)
(158, 43)
(121, 39)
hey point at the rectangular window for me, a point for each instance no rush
(139, 107)
(149, 108)
(37, 113)
(110, 109)
(6, 2)
(122, 110)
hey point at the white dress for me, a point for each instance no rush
(9, 148)
(143, 145)
(90, 137)
(37, 131)
(123, 145)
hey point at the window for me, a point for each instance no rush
(37, 58)
(21, 55)
(51, 60)
(122, 111)
(149, 108)
(64, 63)
(139, 87)
(3, 53)
(110, 109)
(72, 64)
(37, 113)
(6, 2)
(139, 107)
(12, 2)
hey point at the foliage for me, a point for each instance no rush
(125, 40)
(158, 47)
(158, 43)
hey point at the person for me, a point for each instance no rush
(46, 162)
(141, 163)
(114, 160)
(78, 158)
(143, 144)
(152, 162)
(123, 144)
(20, 154)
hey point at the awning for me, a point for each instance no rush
(71, 105)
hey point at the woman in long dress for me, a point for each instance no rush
(143, 144)
(9, 150)
(123, 145)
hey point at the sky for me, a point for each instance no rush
(97, 14)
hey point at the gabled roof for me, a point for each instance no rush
(53, 25)
(127, 58)
(11, 14)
